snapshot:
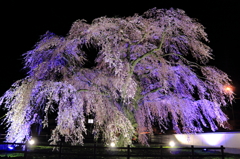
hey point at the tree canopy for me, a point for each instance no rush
(128, 73)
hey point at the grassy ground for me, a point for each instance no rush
(46, 152)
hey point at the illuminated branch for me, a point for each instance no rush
(138, 56)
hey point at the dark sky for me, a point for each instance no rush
(23, 23)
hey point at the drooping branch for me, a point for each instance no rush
(135, 62)
(141, 76)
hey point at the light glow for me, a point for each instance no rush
(90, 121)
(182, 138)
(10, 147)
(31, 142)
(204, 139)
(112, 144)
(229, 89)
(205, 149)
(172, 144)
(213, 139)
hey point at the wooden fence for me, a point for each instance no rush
(95, 152)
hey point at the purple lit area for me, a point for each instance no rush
(230, 140)
(214, 139)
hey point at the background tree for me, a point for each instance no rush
(129, 73)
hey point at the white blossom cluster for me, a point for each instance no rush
(149, 70)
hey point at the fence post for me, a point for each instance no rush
(94, 150)
(192, 151)
(60, 150)
(128, 152)
(222, 151)
(25, 151)
(160, 151)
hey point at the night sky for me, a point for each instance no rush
(23, 23)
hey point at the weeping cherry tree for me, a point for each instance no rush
(128, 73)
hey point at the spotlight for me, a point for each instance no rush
(31, 142)
(112, 144)
(205, 149)
(10, 147)
(172, 144)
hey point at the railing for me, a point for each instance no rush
(94, 152)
